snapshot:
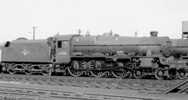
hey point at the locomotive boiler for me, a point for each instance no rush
(120, 54)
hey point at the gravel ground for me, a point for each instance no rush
(140, 85)
(36, 87)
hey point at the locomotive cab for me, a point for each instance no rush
(62, 44)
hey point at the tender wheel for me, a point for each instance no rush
(181, 74)
(138, 74)
(160, 74)
(28, 73)
(122, 73)
(45, 73)
(15, 69)
(10, 71)
(74, 69)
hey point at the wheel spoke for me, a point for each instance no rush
(159, 74)
(74, 69)
(138, 74)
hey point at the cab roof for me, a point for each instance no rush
(29, 41)
(64, 37)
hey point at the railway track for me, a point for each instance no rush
(38, 93)
(28, 92)
(142, 85)
(37, 87)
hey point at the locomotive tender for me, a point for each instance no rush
(106, 55)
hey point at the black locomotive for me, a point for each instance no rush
(106, 55)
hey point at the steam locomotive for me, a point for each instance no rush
(107, 55)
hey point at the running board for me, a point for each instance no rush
(179, 88)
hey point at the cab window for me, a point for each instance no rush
(59, 44)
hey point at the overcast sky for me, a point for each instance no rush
(98, 16)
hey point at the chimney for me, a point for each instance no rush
(154, 33)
